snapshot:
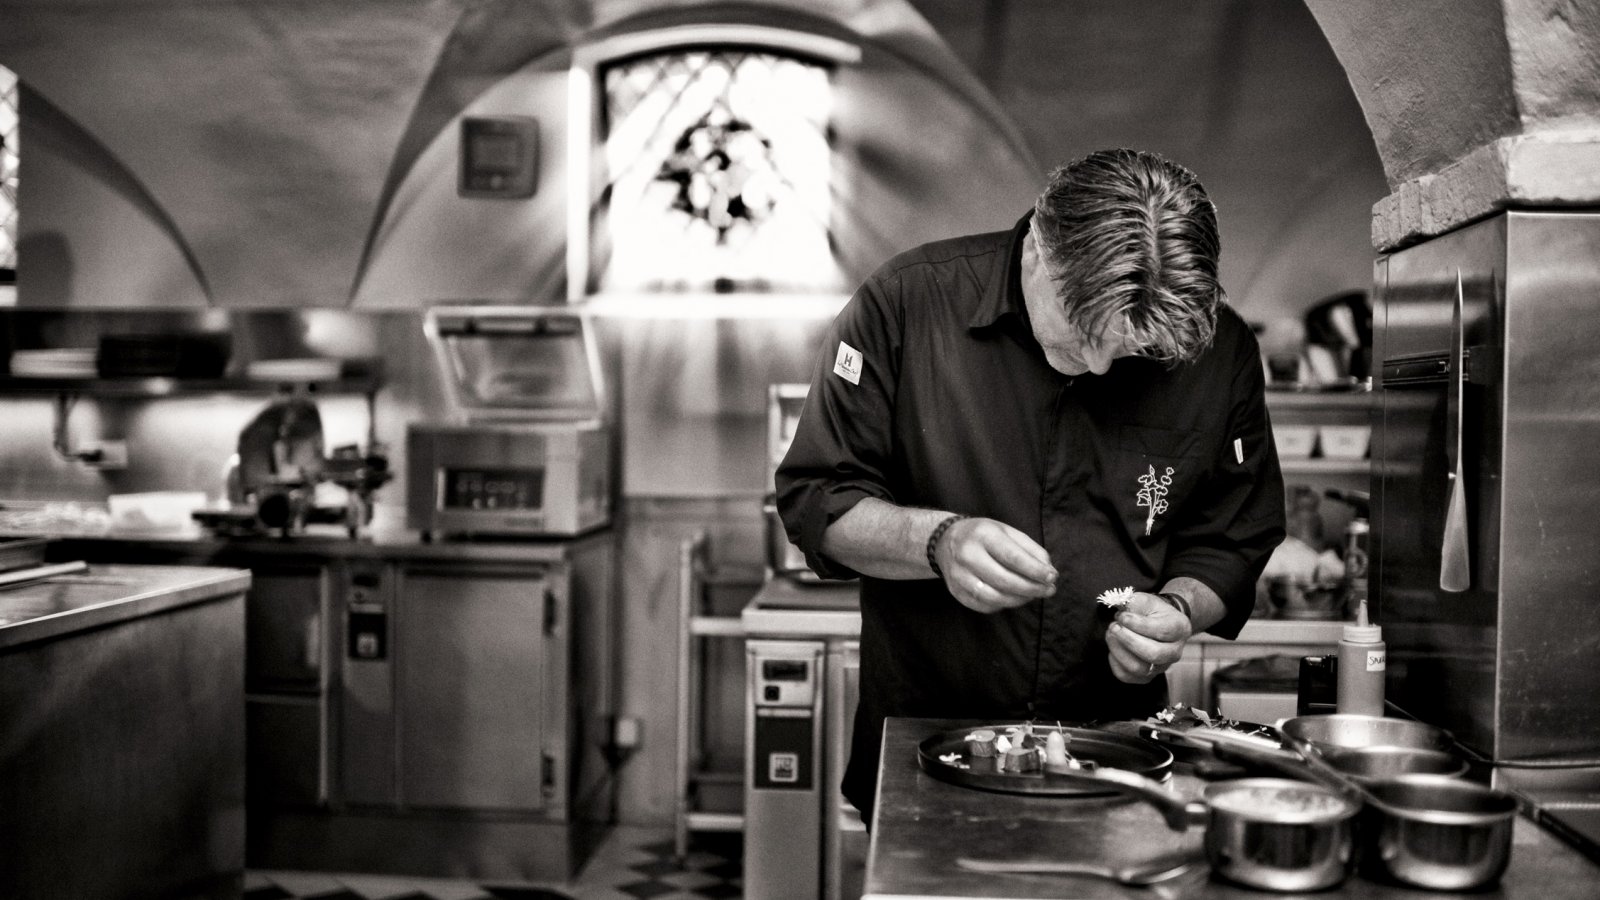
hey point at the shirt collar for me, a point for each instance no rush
(1004, 294)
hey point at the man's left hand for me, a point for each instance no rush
(1146, 638)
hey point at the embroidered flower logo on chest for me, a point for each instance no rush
(1153, 494)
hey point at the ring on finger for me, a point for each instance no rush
(1151, 670)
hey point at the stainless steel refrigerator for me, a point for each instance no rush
(1486, 486)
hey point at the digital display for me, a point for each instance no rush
(496, 152)
(499, 156)
(494, 489)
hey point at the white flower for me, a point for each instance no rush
(1116, 598)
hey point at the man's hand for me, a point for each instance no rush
(989, 566)
(1146, 639)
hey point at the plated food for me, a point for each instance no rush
(1035, 758)
(1181, 716)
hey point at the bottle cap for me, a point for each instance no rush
(1363, 634)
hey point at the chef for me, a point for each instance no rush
(1003, 427)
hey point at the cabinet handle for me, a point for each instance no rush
(550, 613)
(311, 647)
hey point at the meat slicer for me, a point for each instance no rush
(275, 479)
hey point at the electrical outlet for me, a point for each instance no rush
(627, 732)
(104, 454)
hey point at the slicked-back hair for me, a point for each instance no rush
(1129, 233)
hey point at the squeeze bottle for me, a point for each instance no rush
(1363, 659)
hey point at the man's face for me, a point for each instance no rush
(1067, 348)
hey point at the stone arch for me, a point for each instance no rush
(1476, 106)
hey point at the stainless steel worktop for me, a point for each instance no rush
(924, 825)
(201, 547)
(106, 594)
(784, 607)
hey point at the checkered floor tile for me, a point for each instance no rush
(631, 864)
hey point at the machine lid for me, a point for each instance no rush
(518, 363)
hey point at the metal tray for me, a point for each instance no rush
(20, 553)
(1103, 748)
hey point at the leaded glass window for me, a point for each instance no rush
(9, 129)
(717, 173)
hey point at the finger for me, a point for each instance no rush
(997, 575)
(979, 554)
(1143, 650)
(1026, 544)
(977, 595)
(1155, 619)
(1127, 667)
(1022, 554)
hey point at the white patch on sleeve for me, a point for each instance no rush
(1238, 450)
(848, 363)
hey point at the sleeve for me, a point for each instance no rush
(1239, 518)
(843, 443)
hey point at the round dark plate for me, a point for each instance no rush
(1104, 749)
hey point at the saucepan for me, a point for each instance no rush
(1431, 831)
(1426, 829)
(1438, 832)
(1360, 762)
(1274, 834)
(1354, 732)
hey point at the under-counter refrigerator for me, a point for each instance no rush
(1486, 485)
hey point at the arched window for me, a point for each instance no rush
(712, 164)
(9, 128)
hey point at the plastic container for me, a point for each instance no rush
(1295, 441)
(1344, 441)
(1363, 662)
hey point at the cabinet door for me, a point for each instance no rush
(284, 755)
(284, 629)
(470, 658)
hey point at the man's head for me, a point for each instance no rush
(1128, 245)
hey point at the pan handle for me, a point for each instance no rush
(1178, 813)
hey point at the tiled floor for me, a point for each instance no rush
(631, 864)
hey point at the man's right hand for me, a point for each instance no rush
(989, 566)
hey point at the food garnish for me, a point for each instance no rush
(1182, 715)
(981, 742)
(1116, 598)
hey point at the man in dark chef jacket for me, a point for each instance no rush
(1004, 426)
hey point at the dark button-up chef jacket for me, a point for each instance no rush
(931, 391)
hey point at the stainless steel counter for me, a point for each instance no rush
(106, 594)
(122, 733)
(331, 545)
(784, 607)
(924, 825)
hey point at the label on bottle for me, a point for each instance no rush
(1377, 660)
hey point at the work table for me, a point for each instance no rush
(924, 825)
(104, 595)
(122, 733)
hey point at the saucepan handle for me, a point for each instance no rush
(1178, 813)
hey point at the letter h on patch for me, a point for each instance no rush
(848, 363)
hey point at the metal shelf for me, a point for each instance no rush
(691, 771)
(164, 386)
(1323, 466)
(1353, 399)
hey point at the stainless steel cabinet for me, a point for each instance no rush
(286, 710)
(476, 658)
(284, 615)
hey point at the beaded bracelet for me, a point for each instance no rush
(933, 541)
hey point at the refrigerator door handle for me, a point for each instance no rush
(1454, 571)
